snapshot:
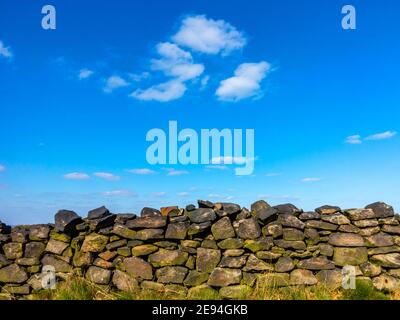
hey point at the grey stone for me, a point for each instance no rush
(292, 234)
(171, 274)
(201, 215)
(316, 263)
(221, 277)
(284, 264)
(287, 208)
(207, 259)
(138, 268)
(389, 260)
(177, 230)
(346, 240)
(57, 262)
(147, 234)
(379, 240)
(124, 281)
(386, 283)
(288, 220)
(316, 224)
(152, 222)
(233, 262)
(149, 212)
(98, 275)
(327, 209)
(65, 220)
(165, 258)
(302, 277)
(336, 218)
(98, 213)
(13, 250)
(360, 214)
(13, 274)
(350, 256)
(255, 264)
(223, 229)
(195, 278)
(381, 209)
(247, 228)
(56, 247)
(296, 245)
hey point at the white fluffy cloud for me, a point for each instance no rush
(209, 36)
(5, 52)
(245, 83)
(355, 139)
(84, 74)
(174, 63)
(114, 82)
(2, 168)
(76, 176)
(382, 136)
(144, 171)
(163, 92)
(106, 176)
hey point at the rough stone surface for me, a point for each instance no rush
(350, 256)
(207, 259)
(216, 250)
(346, 240)
(223, 229)
(138, 268)
(222, 277)
(98, 275)
(247, 228)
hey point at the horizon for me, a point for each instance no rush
(77, 102)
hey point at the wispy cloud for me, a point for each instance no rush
(355, 139)
(2, 168)
(174, 172)
(76, 176)
(143, 171)
(245, 83)
(272, 174)
(209, 36)
(183, 194)
(119, 193)
(106, 176)
(139, 77)
(5, 52)
(311, 179)
(382, 136)
(115, 82)
(85, 73)
(231, 160)
(159, 194)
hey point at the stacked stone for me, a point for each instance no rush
(216, 249)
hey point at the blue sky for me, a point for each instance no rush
(76, 103)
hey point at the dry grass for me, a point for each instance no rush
(81, 289)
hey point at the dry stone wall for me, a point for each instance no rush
(217, 249)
